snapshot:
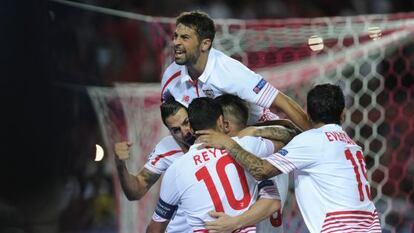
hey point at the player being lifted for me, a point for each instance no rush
(331, 184)
(204, 179)
(199, 70)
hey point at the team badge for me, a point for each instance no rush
(186, 98)
(259, 86)
(209, 93)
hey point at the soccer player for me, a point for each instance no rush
(331, 184)
(206, 179)
(199, 70)
(175, 118)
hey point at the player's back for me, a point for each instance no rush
(210, 179)
(334, 192)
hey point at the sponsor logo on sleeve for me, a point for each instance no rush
(259, 86)
(166, 95)
(282, 152)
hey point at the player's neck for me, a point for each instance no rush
(317, 125)
(195, 70)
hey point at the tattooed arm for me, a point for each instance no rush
(275, 133)
(135, 187)
(260, 169)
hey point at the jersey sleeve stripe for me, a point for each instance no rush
(169, 153)
(152, 168)
(178, 73)
(267, 96)
(283, 164)
(271, 96)
(260, 100)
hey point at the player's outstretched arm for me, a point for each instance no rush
(260, 210)
(134, 187)
(292, 110)
(157, 227)
(260, 169)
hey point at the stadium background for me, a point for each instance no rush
(53, 52)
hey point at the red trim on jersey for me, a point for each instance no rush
(194, 83)
(356, 220)
(169, 153)
(201, 230)
(178, 73)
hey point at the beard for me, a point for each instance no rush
(187, 58)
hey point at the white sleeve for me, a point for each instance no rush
(241, 81)
(268, 190)
(261, 147)
(169, 197)
(157, 162)
(300, 153)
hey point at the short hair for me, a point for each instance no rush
(234, 107)
(325, 104)
(200, 22)
(169, 107)
(203, 113)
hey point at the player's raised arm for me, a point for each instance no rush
(134, 187)
(260, 169)
(292, 109)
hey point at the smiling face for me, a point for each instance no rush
(179, 127)
(187, 47)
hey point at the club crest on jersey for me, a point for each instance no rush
(283, 152)
(259, 86)
(186, 99)
(209, 93)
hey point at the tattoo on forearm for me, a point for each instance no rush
(275, 133)
(257, 167)
(150, 179)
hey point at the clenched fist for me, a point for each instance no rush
(122, 150)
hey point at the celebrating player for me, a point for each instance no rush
(200, 70)
(331, 184)
(210, 178)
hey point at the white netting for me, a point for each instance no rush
(122, 113)
(376, 75)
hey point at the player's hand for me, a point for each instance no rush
(212, 138)
(122, 150)
(248, 131)
(224, 223)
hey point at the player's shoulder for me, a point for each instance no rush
(307, 136)
(172, 71)
(225, 60)
(167, 145)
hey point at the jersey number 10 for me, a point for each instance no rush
(204, 174)
(361, 163)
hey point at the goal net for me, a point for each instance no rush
(370, 56)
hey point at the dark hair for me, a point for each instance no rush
(325, 104)
(203, 113)
(169, 107)
(234, 107)
(200, 22)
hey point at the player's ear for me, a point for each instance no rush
(342, 116)
(205, 45)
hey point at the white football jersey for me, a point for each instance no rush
(165, 153)
(274, 224)
(222, 75)
(331, 186)
(210, 179)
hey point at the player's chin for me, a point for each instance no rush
(180, 60)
